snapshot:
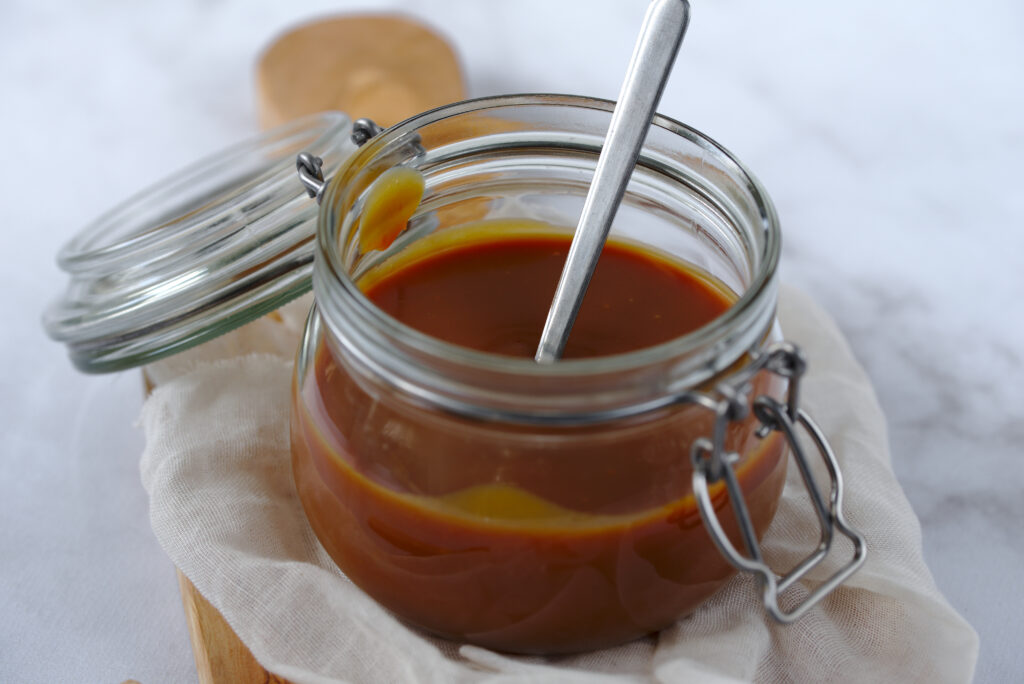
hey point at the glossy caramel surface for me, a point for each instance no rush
(494, 297)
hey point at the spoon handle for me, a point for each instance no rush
(655, 52)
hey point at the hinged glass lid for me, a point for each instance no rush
(215, 246)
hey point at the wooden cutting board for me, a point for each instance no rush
(220, 655)
(380, 66)
(383, 67)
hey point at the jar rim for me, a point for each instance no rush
(330, 270)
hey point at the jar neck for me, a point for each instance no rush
(692, 199)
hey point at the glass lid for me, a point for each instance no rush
(204, 251)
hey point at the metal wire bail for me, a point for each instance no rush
(311, 174)
(310, 167)
(711, 463)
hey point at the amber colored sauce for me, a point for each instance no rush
(494, 297)
(535, 540)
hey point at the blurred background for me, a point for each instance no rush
(888, 134)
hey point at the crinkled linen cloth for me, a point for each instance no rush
(224, 508)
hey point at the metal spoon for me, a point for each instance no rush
(655, 52)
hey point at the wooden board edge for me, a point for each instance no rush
(220, 655)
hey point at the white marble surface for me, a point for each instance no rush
(889, 134)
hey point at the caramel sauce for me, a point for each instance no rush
(523, 538)
(390, 202)
(494, 297)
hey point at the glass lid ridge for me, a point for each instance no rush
(198, 253)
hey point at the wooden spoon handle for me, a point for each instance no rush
(383, 67)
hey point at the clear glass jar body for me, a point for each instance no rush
(517, 506)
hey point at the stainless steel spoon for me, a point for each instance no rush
(655, 52)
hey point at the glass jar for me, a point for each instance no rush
(525, 507)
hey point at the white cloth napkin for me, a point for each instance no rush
(223, 506)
